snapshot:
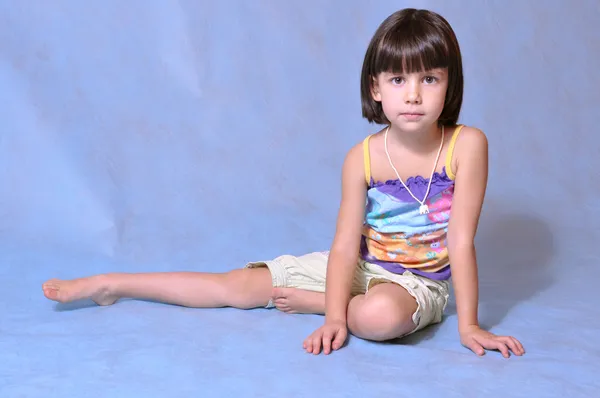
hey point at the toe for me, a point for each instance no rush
(286, 309)
(282, 305)
(278, 292)
(51, 293)
(50, 284)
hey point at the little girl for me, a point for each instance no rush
(411, 200)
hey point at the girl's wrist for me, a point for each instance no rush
(335, 319)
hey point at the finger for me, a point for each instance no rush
(519, 345)
(492, 344)
(500, 346)
(317, 344)
(475, 347)
(313, 341)
(340, 338)
(327, 338)
(510, 342)
(308, 344)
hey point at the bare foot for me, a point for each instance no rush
(94, 287)
(298, 301)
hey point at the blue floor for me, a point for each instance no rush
(198, 135)
(145, 349)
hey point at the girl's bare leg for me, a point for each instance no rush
(242, 288)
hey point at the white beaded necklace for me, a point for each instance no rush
(423, 209)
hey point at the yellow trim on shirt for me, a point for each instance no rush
(367, 159)
(450, 152)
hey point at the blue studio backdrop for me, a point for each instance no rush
(198, 135)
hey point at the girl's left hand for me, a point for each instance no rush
(477, 339)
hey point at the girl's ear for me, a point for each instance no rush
(375, 90)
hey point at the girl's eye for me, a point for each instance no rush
(430, 79)
(397, 80)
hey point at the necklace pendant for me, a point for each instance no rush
(424, 209)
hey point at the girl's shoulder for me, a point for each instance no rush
(469, 139)
(470, 151)
(471, 132)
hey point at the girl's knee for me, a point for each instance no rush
(380, 317)
(247, 288)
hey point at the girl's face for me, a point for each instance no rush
(411, 101)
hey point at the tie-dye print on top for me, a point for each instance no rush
(395, 235)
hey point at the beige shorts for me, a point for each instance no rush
(308, 272)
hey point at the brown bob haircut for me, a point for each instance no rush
(410, 41)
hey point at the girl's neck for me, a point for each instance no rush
(423, 141)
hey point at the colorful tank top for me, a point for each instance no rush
(395, 235)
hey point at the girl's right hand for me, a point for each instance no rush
(332, 335)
